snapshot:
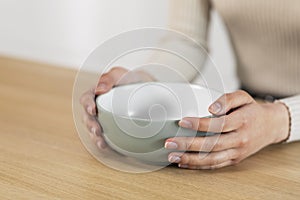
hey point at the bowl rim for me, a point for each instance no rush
(193, 86)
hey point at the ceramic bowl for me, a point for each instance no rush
(138, 118)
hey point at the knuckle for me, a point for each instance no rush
(215, 146)
(245, 94)
(194, 144)
(231, 154)
(117, 72)
(240, 118)
(105, 78)
(199, 123)
(187, 145)
(209, 145)
(182, 143)
(215, 124)
(117, 68)
(225, 122)
(244, 121)
(89, 127)
(84, 97)
(195, 123)
(227, 155)
(242, 93)
(244, 142)
(185, 159)
(214, 160)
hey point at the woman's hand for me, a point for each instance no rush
(116, 76)
(246, 126)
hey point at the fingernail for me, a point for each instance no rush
(101, 87)
(171, 145)
(183, 166)
(100, 145)
(90, 110)
(174, 159)
(93, 130)
(185, 123)
(216, 107)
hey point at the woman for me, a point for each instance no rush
(266, 40)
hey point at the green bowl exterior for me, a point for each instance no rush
(150, 149)
(130, 143)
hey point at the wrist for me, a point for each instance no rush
(282, 122)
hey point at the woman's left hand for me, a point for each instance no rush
(246, 126)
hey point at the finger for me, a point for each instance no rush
(205, 144)
(203, 159)
(95, 131)
(109, 79)
(100, 142)
(208, 167)
(92, 124)
(225, 123)
(87, 100)
(230, 101)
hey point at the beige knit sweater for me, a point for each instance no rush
(265, 35)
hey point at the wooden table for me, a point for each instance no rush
(42, 157)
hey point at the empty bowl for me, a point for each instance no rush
(138, 118)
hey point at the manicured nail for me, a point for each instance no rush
(90, 110)
(93, 130)
(101, 87)
(171, 145)
(216, 107)
(185, 123)
(183, 166)
(100, 145)
(174, 159)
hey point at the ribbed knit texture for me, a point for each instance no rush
(265, 35)
(183, 16)
(191, 18)
(293, 103)
(266, 39)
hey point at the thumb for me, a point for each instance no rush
(230, 101)
(109, 79)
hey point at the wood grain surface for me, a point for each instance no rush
(42, 157)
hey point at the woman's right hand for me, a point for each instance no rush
(115, 76)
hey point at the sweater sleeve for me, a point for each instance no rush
(293, 104)
(188, 18)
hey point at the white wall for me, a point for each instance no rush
(64, 32)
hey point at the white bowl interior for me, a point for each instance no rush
(158, 101)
